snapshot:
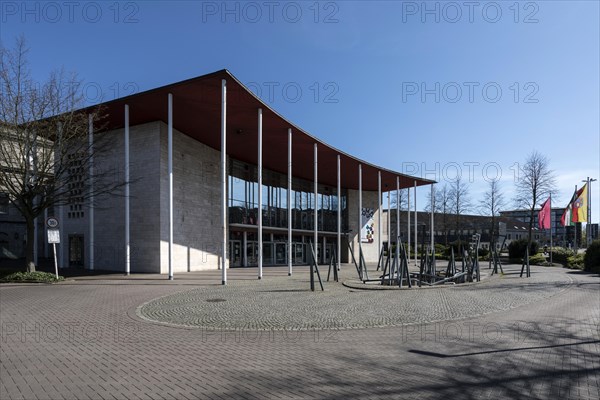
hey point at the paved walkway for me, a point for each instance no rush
(506, 337)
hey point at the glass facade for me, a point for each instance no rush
(243, 201)
(243, 210)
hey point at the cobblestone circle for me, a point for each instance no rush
(285, 303)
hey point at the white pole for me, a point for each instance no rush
(91, 194)
(55, 262)
(260, 210)
(289, 202)
(408, 225)
(551, 242)
(127, 244)
(416, 227)
(316, 213)
(432, 210)
(170, 169)
(397, 212)
(379, 210)
(359, 209)
(224, 182)
(339, 212)
(389, 219)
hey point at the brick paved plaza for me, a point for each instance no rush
(143, 337)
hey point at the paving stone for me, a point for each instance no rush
(506, 337)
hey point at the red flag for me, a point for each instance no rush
(544, 215)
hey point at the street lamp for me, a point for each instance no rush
(588, 226)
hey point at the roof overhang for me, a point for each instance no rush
(197, 113)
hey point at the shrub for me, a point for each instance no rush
(575, 261)
(516, 248)
(560, 254)
(592, 257)
(537, 259)
(440, 248)
(36, 276)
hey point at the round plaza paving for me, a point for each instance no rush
(286, 303)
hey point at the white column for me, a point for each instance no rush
(245, 248)
(170, 169)
(339, 212)
(379, 210)
(359, 209)
(289, 201)
(316, 213)
(389, 218)
(260, 213)
(408, 224)
(127, 244)
(224, 183)
(91, 193)
(397, 210)
(432, 216)
(416, 227)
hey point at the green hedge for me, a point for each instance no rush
(592, 257)
(36, 276)
(537, 259)
(516, 249)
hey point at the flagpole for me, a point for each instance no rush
(574, 226)
(550, 228)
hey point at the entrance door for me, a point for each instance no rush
(235, 253)
(299, 253)
(280, 253)
(252, 253)
(76, 251)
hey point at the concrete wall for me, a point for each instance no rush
(369, 200)
(196, 208)
(197, 204)
(109, 213)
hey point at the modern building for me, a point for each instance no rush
(215, 178)
(445, 231)
(561, 235)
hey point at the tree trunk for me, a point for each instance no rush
(530, 237)
(29, 245)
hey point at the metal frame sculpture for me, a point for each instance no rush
(314, 268)
(525, 265)
(495, 254)
(333, 264)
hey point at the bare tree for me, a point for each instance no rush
(44, 149)
(441, 205)
(535, 183)
(403, 198)
(492, 203)
(458, 198)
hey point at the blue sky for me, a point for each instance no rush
(418, 87)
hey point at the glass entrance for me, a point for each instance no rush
(235, 253)
(252, 253)
(281, 253)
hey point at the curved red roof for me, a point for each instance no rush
(197, 113)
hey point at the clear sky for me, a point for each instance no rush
(426, 88)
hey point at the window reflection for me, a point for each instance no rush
(243, 200)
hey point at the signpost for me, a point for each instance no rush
(53, 238)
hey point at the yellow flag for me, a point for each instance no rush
(580, 206)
